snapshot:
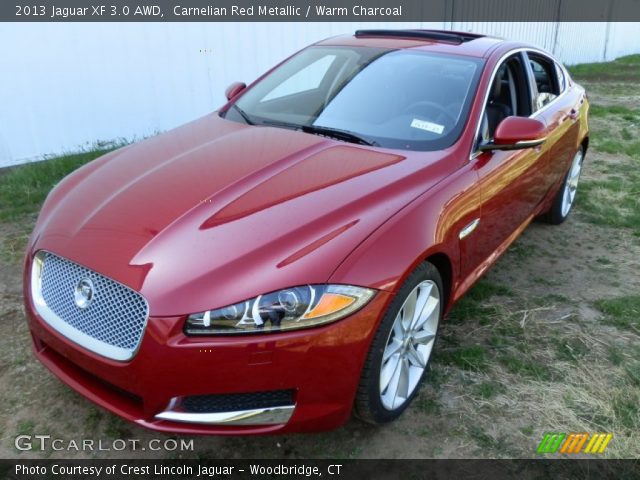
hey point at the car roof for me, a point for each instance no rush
(439, 41)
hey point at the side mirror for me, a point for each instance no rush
(516, 133)
(234, 89)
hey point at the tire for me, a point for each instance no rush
(374, 403)
(565, 198)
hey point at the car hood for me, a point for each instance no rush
(215, 212)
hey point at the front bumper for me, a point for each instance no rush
(321, 366)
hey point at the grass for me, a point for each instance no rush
(614, 146)
(527, 430)
(489, 389)
(116, 428)
(633, 372)
(523, 365)
(473, 304)
(24, 188)
(472, 357)
(612, 202)
(93, 418)
(26, 427)
(626, 406)
(622, 312)
(498, 445)
(13, 245)
(625, 113)
(571, 349)
(485, 289)
(587, 411)
(436, 377)
(614, 354)
(612, 198)
(611, 127)
(622, 68)
(428, 404)
(556, 372)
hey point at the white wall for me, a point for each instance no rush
(63, 86)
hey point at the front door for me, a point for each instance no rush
(512, 183)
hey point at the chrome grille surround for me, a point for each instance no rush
(111, 324)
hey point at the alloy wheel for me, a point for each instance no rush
(571, 184)
(408, 348)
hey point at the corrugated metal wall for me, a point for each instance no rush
(67, 85)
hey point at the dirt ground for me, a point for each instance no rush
(530, 350)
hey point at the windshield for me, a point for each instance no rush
(402, 99)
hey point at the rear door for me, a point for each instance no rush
(558, 107)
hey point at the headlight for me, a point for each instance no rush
(288, 309)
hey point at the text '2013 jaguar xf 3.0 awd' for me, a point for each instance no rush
(287, 259)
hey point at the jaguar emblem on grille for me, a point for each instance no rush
(84, 293)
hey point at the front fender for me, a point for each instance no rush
(428, 225)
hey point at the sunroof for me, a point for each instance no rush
(440, 35)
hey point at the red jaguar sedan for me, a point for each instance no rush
(286, 260)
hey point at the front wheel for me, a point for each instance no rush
(566, 196)
(401, 349)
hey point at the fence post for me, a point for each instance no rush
(607, 31)
(557, 32)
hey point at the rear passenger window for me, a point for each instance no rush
(546, 79)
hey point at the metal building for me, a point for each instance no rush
(66, 86)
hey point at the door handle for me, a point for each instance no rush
(467, 230)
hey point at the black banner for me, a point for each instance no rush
(334, 469)
(318, 10)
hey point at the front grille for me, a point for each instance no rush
(112, 323)
(237, 401)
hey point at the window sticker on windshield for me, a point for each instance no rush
(428, 126)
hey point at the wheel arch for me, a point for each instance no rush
(443, 264)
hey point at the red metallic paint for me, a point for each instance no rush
(216, 212)
(234, 89)
(516, 129)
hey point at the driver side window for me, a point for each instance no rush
(509, 95)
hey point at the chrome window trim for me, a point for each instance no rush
(474, 153)
(531, 81)
(59, 325)
(560, 70)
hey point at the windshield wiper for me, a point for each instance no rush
(314, 129)
(276, 123)
(339, 134)
(243, 114)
